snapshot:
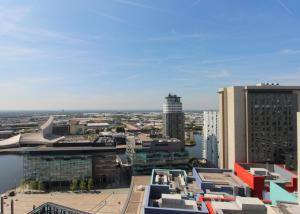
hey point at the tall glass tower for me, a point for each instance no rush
(173, 118)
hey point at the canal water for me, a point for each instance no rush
(11, 171)
(195, 151)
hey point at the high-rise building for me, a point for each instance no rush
(298, 152)
(210, 150)
(173, 118)
(258, 124)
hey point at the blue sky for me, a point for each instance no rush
(129, 54)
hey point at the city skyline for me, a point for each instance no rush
(127, 54)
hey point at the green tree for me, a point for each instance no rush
(120, 129)
(22, 183)
(190, 142)
(41, 186)
(82, 185)
(90, 184)
(33, 185)
(74, 185)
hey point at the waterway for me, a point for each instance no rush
(195, 151)
(11, 171)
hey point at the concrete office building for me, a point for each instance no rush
(298, 151)
(258, 124)
(173, 118)
(210, 150)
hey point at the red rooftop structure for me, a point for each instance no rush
(258, 177)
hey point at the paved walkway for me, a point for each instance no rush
(108, 201)
(135, 202)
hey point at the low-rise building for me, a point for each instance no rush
(172, 192)
(220, 183)
(156, 153)
(77, 127)
(6, 134)
(241, 205)
(61, 129)
(43, 136)
(258, 176)
(98, 126)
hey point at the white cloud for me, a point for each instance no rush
(186, 73)
(20, 39)
(11, 17)
(288, 78)
(140, 5)
(108, 16)
(19, 51)
(218, 74)
(285, 7)
(176, 37)
(290, 51)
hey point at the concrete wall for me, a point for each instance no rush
(237, 128)
(157, 210)
(232, 129)
(221, 126)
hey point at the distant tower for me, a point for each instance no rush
(173, 118)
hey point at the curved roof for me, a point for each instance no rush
(44, 136)
(11, 142)
(46, 128)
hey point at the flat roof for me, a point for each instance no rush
(98, 124)
(6, 132)
(262, 87)
(241, 203)
(108, 201)
(287, 208)
(220, 178)
(144, 137)
(57, 149)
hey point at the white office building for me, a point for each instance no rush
(210, 146)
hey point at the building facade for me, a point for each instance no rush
(57, 168)
(210, 146)
(157, 153)
(173, 118)
(258, 124)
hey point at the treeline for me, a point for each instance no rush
(75, 185)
